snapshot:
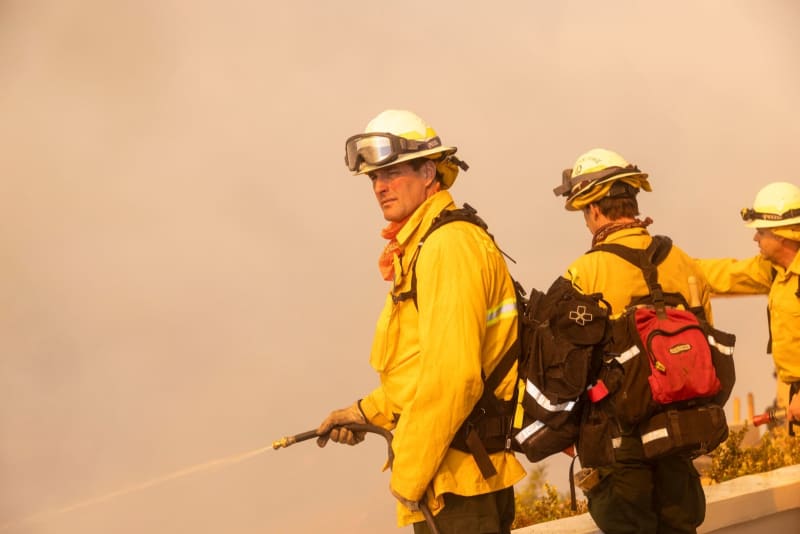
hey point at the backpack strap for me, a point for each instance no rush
(772, 274)
(647, 260)
(468, 214)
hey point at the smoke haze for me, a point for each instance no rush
(189, 272)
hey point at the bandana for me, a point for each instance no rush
(604, 231)
(392, 249)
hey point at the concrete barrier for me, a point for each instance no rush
(752, 504)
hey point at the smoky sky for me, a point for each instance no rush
(189, 272)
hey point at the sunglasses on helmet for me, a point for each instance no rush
(381, 148)
(749, 214)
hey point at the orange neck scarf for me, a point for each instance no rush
(392, 249)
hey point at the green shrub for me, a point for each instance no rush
(730, 460)
(537, 501)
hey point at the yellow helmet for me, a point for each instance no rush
(776, 204)
(592, 176)
(395, 136)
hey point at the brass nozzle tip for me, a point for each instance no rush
(281, 443)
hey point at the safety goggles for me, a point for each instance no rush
(749, 214)
(381, 148)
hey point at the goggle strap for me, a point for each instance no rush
(563, 189)
(417, 146)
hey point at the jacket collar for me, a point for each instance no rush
(423, 216)
(794, 267)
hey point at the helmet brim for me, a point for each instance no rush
(572, 197)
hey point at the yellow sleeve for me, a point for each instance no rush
(728, 276)
(374, 408)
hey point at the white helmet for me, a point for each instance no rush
(776, 204)
(392, 137)
(595, 168)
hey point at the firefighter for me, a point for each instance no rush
(775, 271)
(632, 494)
(433, 343)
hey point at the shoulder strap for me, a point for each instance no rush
(468, 214)
(501, 369)
(647, 260)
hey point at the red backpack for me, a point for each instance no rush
(680, 357)
(673, 338)
(667, 370)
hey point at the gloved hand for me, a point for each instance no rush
(338, 434)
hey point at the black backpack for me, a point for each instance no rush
(563, 332)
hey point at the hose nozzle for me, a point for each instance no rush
(283, 442)
(773, 415)
(291, 440)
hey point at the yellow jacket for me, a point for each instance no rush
(619, 280)
(430, 358)
(753, 276)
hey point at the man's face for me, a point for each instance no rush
(769, 244)
(400, 189)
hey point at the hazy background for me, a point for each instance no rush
(188, 272)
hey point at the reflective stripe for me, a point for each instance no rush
(659, 433)
(542, 401)
(628, 354)
(508, 308)
(519, 413)
(528, 431)
(616, 442)
(724, 349)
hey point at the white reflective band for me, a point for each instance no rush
(724, 349)
(507, 308)
(542, 401)
(528, 431)
(628, 354)
(659, 433)
(616, 442)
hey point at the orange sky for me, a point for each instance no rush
(189, 272)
